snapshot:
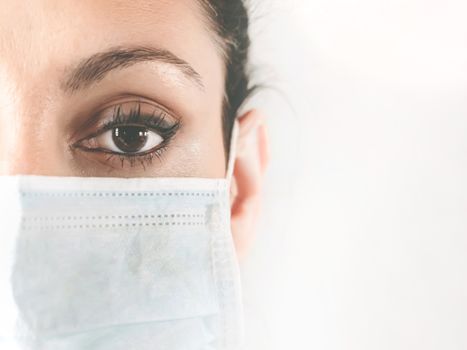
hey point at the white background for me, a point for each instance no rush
(363, 240)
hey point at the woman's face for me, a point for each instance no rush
(119, 88)
(110, 88)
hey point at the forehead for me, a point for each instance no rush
(40, 38)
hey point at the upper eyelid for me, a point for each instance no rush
(140, 102)
(111, 124)
(158, 114)
(100, 114)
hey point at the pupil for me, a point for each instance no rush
(130, 139)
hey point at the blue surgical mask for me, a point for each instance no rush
(118, 264)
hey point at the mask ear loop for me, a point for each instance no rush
(232, 151)
(234, 322)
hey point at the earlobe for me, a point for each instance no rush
(252, 158)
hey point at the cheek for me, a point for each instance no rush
(198, 151)
(212, 157)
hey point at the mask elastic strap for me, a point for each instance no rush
(232, 151)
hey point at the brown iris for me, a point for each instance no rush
(130, 139)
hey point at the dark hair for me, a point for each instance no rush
(230, 21)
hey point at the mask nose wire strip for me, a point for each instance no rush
(232, 151)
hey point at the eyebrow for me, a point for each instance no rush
(94, 68)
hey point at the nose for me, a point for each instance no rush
(29, 144)
(21, 150)
(31, 137)
(32, 141)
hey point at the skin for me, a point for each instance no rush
(42, 42)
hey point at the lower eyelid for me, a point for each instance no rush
(120, 162)
(132, 160)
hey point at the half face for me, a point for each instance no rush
(110, 88)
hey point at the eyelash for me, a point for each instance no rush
(154, 122)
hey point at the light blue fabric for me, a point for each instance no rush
(114, 264)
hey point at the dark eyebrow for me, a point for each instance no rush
(94, 68)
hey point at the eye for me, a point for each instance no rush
(127, 139)
(136, 131)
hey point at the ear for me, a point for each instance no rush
(252, 158)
